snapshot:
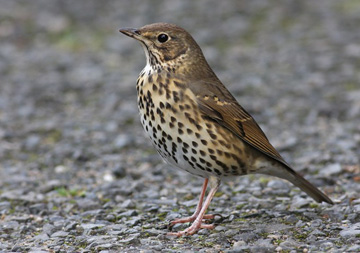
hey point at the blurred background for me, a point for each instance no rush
(68, 75)
(69, 124)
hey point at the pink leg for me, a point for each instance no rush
(198, 208)
(199, 214)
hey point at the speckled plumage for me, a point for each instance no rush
(195, 123)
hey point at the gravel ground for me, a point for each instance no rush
(77, 173)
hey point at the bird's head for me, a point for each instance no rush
(168, 46)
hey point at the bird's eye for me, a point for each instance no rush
(162, 38)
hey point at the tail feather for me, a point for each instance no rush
(285, 172)
(310, 189)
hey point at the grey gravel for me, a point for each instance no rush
(77, 173)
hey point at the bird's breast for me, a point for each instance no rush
(181, 133)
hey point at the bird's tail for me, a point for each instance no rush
(289, 174)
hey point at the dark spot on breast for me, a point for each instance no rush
(184, 150)
(185, 145)
(194, 151)
(180, 131)
(202, 152)
(194, 143)
(171, 125)
(197, 135)
(223, 143)
(213, 157)
(154, 87)
(193, 159)
(237, 149)
(161, 104)
(219, 152)
(223, 165)
(176, 96)
(217, 171)
(180, 125)
(192, 121)
(179, 140)
(202, 160)
(189, 131)
(185, 158)
(179, 85)
(168, 106)
(212, 135)
(199, 166)
(162, 120)
(203, 141)
(158, 78)
(211, 151)
(158, 111)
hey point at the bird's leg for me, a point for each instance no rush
(198, 216)
(198, 208)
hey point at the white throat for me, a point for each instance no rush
(148, 68)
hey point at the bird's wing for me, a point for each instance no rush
(217, 104)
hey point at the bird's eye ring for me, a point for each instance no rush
(162, 38)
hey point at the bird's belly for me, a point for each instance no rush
(188, 141)
(168, 146)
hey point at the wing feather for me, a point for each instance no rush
(217, 104)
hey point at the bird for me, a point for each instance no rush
(196, 124)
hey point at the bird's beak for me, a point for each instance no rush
(131, 32)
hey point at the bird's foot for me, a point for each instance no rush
(196, 226)
(191, 219)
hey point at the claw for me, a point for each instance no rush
(199, 216)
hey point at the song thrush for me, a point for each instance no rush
(196, 124)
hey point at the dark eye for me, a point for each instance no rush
(163, 38)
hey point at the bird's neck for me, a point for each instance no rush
(193, 69)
